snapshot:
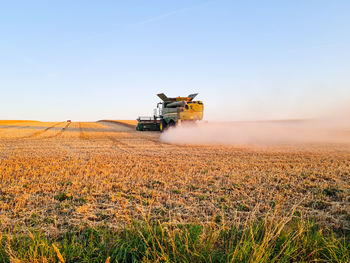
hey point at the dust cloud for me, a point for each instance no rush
(322, 130)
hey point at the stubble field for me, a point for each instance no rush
(59, 177)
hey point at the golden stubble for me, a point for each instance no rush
(59, 175)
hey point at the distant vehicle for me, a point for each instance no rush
(69, 121)
(171, 112)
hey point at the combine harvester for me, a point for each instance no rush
(171, 112)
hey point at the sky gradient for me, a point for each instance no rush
(91, 60)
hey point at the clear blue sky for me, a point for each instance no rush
(90, 60)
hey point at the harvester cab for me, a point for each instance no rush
(171, 112)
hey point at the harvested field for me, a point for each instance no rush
(93, 173)
(83, 179)
(129, 123)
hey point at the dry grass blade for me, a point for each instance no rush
(58, 253)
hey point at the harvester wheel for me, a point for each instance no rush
(172, 123)
(162, 126)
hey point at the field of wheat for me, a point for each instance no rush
(59, 176)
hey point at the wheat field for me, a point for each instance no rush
(59, 176)
(66, 174)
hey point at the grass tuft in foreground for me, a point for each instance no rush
(294, 240)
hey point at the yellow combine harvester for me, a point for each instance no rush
(172, 111)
